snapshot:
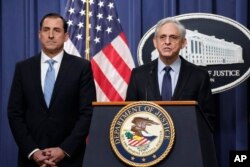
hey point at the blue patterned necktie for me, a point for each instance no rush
(49, 81)
(166, 90)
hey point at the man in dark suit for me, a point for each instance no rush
(51, 132)
(187, 81)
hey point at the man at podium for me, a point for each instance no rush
(171, 77)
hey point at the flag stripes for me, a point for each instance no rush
(137, 143)
(103, 82)
(109, 53)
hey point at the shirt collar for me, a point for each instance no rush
(57, 58)
(175, 66)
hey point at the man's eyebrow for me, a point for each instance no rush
(52, 28)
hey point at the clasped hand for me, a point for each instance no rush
(48, 157)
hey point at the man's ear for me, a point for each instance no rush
(39, 35)
(154, 41)
(66, 36)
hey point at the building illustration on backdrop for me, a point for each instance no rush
(206, 50)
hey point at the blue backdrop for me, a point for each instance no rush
(19, 40)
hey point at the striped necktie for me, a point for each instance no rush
(49, 81)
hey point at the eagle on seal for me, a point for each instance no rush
(140, 125)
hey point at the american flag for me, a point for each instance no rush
(108, 50)
(142, 140)
(137, 143)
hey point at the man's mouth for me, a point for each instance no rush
(167, 49)
(50, 42)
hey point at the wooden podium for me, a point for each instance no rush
(193, 146)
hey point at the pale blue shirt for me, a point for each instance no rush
(45, 66)
(175, 70)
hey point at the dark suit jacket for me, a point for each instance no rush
(65, 123)
(193, 84)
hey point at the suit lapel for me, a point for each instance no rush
(185, 72)
(36, 70)
(62, 73)
(153, 81)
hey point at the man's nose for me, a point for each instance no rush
(167, 40)
(51, 34)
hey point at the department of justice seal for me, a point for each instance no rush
(142, 134)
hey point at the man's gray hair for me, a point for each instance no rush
(164, 21)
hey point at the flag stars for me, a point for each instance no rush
(90, 14)
(79, 36)
(91, 33)
(91, 2)
(83, 1)
(70, 22)
(80, 25)
(99, 16)
(97, 40)
(82, 12)
(111, 5)
(109, 30)
(101, 4)
(98, 28)
(72, 10)
(109, 18)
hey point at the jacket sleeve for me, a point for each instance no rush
(16, 114)
(87, 94)
(132, 88)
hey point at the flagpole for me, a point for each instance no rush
(87, 39)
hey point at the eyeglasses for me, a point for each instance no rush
(171, 38)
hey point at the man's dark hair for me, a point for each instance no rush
(54, 15)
